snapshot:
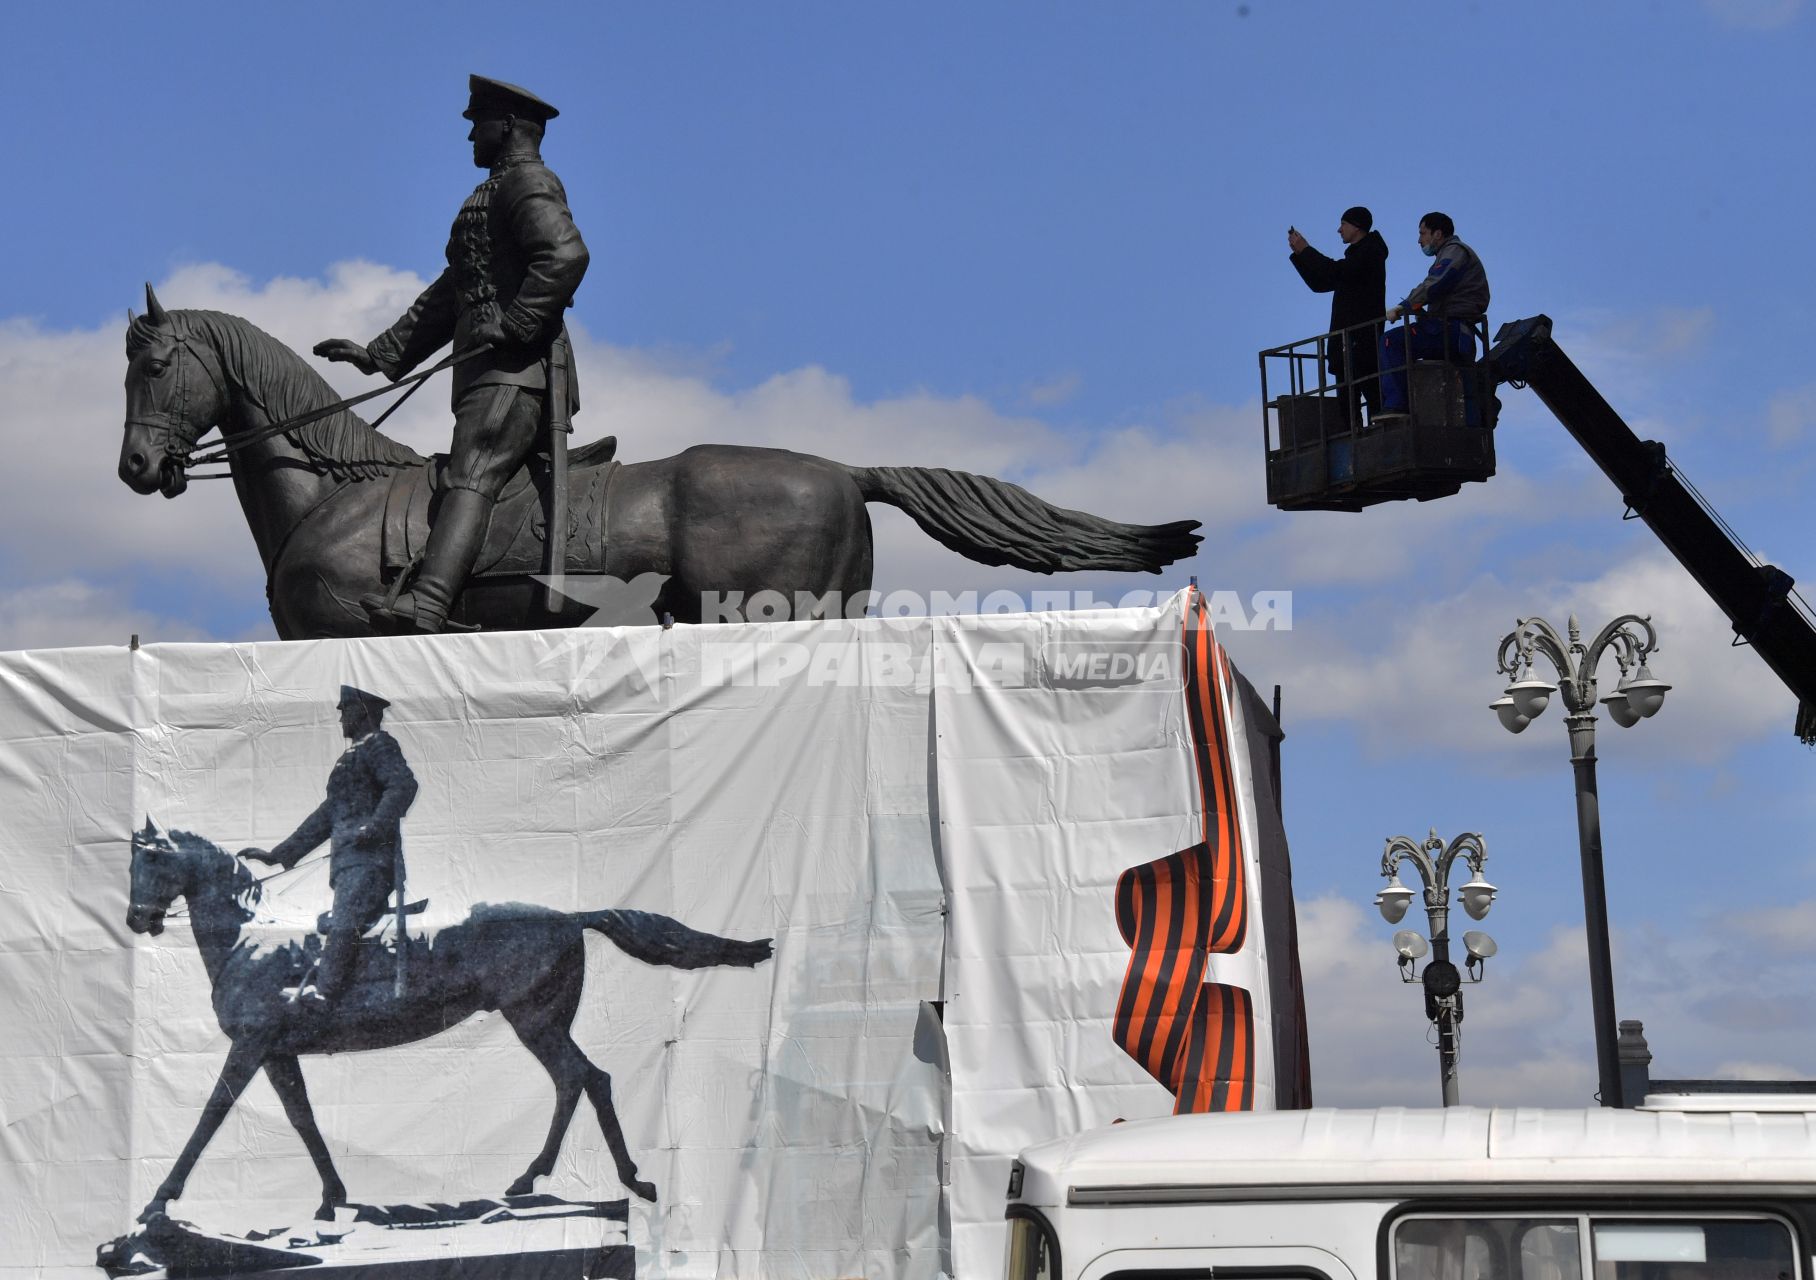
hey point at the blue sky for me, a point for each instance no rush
(1046, 241)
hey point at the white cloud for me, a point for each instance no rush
(1527, 1034)
(1630, 356)
(1755, 1071)
(1783, 931)
(70, 612)
(1526, 1038)
(1055, 391)
(1616, 341)
(1424, 671)
(1790, 415)
(1755, 15)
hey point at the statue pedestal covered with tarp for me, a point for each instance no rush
(697, 971)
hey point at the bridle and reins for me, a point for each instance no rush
(250, 895)
(172, 425)
(166, 426)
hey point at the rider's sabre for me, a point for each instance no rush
(561, 423)
(403, 937)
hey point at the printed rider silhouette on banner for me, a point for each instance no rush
(369, 791)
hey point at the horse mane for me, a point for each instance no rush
(277, 380)
(247, 890)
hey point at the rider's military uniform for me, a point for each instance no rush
(514, 257)
(369, 789)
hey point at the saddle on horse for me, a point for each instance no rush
(386, 921)
(384, 934)
(515, 537)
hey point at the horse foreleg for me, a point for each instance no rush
(286, 1077)
(567, 1068)
(243, 1062)
(567, 1100)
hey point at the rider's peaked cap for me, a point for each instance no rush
(351, 697)
(486, 96)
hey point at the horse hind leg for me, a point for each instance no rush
(572, 1073)
(567, 1071)
(286, 1078)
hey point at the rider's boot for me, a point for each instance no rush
(460, 528)
(306, 995)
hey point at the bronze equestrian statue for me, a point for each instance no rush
(360, 535)
(515, 258)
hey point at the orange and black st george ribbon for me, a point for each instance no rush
(1195, 1037)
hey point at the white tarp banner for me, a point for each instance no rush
(1051, 791)
(683, 882)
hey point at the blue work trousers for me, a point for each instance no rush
(1432, 339)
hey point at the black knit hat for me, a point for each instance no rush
(1359, 218)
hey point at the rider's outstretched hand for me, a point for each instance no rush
(258, 855)
(347, 351)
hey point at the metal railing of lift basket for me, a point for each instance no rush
(1303, 370)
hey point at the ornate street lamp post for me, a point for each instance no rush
(1442, 982)
(1637, 696)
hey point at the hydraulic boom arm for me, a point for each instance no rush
(1757, 598)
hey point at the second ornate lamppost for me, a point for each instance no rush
(1441, 979)
(1637, 696)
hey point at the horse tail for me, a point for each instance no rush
(657, 939)
(995, 522)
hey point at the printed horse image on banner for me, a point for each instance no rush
(525, 962)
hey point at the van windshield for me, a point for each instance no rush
(1563, 1247)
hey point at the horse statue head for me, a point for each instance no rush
(167, 865)
(160, 875)
(174, 394)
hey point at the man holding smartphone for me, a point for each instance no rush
(1357, 283)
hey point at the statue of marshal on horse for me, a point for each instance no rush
(360, 534)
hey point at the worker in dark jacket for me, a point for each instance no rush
(1357, 283)
(515, 259)
(369, 790)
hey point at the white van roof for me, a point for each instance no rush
(1178, 1157)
